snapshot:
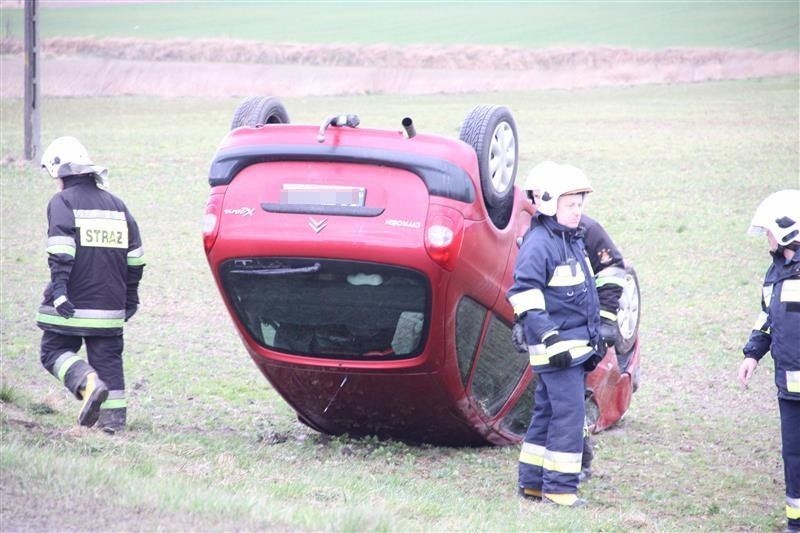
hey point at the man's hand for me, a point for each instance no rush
(130, 310)
(746, 370)
(560, 359)
(591, 363)
(600, 348)
(608, 331)
(63, 306)
(518, 338)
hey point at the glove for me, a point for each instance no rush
(130, 310)
(591, 363)
(131, 302)
(61, 302)
(608, 331)
(518, 338)
(561, 359)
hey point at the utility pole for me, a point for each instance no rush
(33, 142)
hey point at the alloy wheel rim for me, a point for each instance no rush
(628, 314)
(502, 157)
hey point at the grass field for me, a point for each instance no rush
(768, 25)
(678, 172)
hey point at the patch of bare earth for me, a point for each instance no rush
(180, 67)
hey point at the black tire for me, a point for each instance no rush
(628, 314)
(243, 111)
(259, 110)
(268, 110)
(492, 132)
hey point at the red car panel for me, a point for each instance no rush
(367, 281)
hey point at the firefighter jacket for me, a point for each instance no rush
(554, 292)
(95, 251)
(607, 264)
(777, 328)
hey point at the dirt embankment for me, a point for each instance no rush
(86, 66)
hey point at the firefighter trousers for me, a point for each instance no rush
(552, 451)
(790, 422)
(59, 357)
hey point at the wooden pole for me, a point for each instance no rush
(33, 141)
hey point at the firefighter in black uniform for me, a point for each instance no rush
(609, 275)
(555, 300)
(777, 330)
(95, 256)
(608, 266)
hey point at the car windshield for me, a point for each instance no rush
(330, 308)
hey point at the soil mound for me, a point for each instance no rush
(462, 57)
(213, 67)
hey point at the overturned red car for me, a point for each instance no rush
(365, 271)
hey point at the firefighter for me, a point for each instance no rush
(609, 268)
(777, 330)
(555, 299)
(604, 256)
(94, 251)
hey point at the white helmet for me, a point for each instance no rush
(778, 213)
(549, 181)
(66, 156)
(533, 181)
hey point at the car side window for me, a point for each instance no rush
(499, 368)
(518, 418)
(469, 323)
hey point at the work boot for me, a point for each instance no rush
(94, 392)
(112, 421)
(529, 494)
(566, 500)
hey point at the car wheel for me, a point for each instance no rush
(492, 132)
(628, 313)
(243, 111)
(259, 110)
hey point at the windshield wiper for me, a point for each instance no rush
(258, 270)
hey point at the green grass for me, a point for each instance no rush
(678, 171)
(8, 394)
(769, 25)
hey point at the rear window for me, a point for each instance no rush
(330, 308)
